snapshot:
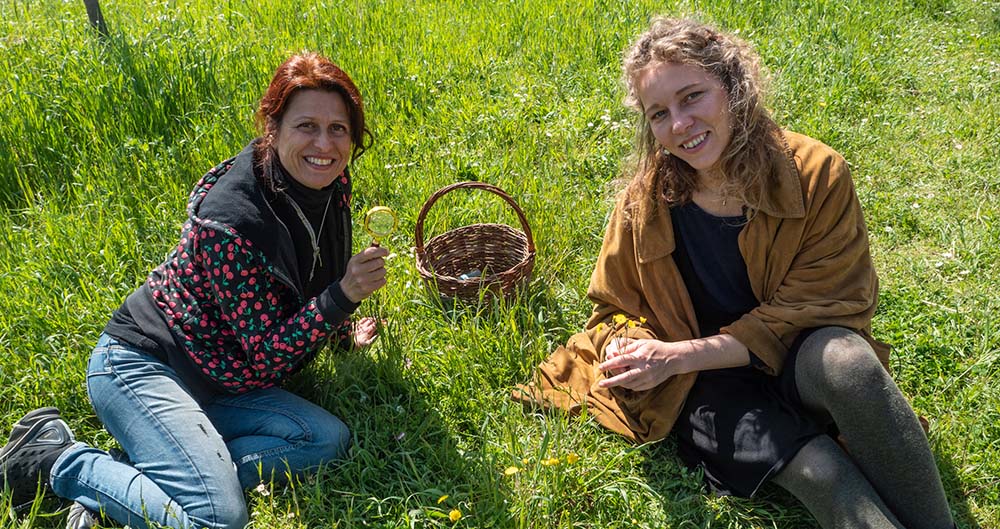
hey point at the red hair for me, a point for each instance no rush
(307, 71)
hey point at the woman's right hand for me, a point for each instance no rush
(644, 364)
(365, 273)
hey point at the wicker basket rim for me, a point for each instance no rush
(418, 231)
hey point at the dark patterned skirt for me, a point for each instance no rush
(741, 426)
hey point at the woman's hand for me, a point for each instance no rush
(645, 364)
(365, 273)
(365, 331)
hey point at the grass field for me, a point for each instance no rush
(101, 140)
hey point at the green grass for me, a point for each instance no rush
(100, 142)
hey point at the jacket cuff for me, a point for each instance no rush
(757, 363)
(761, 342)
(333, 303)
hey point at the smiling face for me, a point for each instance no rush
(313, 140)
(688, 112)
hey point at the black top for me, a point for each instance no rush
(709, 259)
(320, 209)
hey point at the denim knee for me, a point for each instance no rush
(226, 513)
(332, 438)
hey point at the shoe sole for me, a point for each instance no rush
(41, 417)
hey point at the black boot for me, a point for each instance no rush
(36, 441)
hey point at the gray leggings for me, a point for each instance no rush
(889, 479)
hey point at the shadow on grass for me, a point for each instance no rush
(682, 490)
(537, 298)
(689, 503)
(405, 456)
(957, 499)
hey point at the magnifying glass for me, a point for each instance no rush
(380, 222)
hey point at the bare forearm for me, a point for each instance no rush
(644, 364)
(716, 352)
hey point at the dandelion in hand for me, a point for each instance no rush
(620, 333)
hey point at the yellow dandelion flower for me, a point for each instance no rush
(572, 458)
(442, 498)
(642, 320)
(600, 327)
(510, 471)
(620, 319)
(632, 324)
(550, 461)
(525, 461)
(455, 515)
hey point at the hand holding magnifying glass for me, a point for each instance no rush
(380, 222)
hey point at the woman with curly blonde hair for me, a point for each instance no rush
(754, 140)
(739, 258)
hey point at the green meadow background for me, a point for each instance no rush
(102, 139)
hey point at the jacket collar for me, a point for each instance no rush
(654, 235)
(783, 198)
(235, 202)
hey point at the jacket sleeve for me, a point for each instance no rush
(273, 337)
(831, 279)
(615, 287)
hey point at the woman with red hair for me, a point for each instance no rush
(187, 375)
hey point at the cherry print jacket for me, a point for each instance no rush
(230, 293)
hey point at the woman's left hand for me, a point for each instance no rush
(365, 332)
(644, 364)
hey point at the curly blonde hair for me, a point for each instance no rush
(755, 147)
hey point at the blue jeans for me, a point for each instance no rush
(189, 461)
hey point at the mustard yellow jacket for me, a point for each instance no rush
(807, 256)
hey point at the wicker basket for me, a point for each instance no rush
(475, 260)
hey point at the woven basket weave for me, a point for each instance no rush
(502, 255)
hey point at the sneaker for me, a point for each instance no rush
(36, 441)
(80, 517)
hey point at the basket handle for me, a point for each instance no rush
(419, 229)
